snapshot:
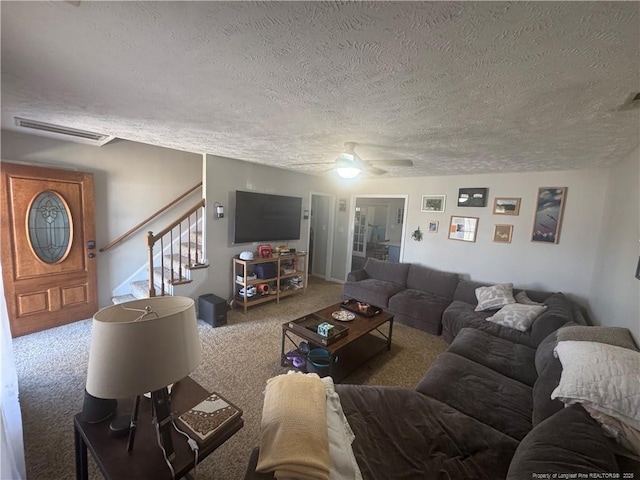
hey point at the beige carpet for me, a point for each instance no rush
(237, 360)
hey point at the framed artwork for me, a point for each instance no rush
(547, 221)
(463, 228)
(472, 197)
(433, 226)
(342, 205)
(506, 206)
(433, 203)
(502, 233)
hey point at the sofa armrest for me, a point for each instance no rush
(357, 275)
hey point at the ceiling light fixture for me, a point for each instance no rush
(348, 165)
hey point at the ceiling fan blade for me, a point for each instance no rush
(374, 170)
(309, 163)
(393, 162)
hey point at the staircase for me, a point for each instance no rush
(176, 262)
(175, 274)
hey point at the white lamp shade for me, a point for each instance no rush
(348, 165)
(133, 352)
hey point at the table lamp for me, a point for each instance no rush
(143, 346)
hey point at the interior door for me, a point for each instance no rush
(48, 247)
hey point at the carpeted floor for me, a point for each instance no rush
(237, 360)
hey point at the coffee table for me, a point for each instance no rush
(364, 340)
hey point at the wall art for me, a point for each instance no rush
(502, 233)
(463, 228)
(433, 203)
(433, 226)
(472, 197)
(506, 206)
(548, 217)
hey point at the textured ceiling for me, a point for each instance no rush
(471, 87)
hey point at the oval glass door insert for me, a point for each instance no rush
(50, 227)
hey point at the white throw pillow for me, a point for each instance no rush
(522, 297)
(494, 297)
(517, 316)
(602, 377)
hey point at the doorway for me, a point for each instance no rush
(48, 247)
(378, 229)
(321, 235)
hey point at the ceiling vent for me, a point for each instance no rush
(63, 133)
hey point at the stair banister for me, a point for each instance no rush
(152, 239)
(148, 219)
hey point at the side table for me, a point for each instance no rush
(146, 460)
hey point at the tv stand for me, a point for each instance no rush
(287, 267)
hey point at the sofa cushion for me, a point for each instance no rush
(461, 315)
(581, 447)
(513, 360)
(523, 298)
(426, 279)
(494, 297)
(605, 377)
(400, 433)
(618, 336)
(543, 405)
(544, 351)
(484, 394)
(517, 316)
(387, 271)
(425, 307)
(373, 291)
(560, 311)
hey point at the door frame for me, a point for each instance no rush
(330, 230)
(353, 201)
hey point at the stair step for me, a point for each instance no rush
(190, 249)
(140, 289)
(178, 261)
(196, 237)
(161, 275)
(123, 299)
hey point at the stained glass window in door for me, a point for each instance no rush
(49, 227)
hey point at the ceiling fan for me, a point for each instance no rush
(349, 164)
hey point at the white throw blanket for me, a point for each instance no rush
(294, 441)
(305, 434)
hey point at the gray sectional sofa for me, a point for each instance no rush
(484, 409)
(415, 294)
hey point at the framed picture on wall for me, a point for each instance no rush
(433, 226)
(433, 203)
(547, 221)
(463, 228)
(506, 206)
(472, 197)
(502, 233)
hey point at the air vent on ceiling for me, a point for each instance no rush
(63, 133)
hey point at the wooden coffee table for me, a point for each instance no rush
(364, 340)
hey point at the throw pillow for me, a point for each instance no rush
(618, 336)
(517, 316)
(626, 436)
(603, 377)
(522, 297)
(494, 297)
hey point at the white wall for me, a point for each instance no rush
(615, 292)
(223, 176)
(568, 266)
(131, 182)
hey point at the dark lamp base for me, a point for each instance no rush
(119, 426)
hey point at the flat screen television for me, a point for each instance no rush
(262, 217)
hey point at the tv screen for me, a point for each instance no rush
(261, 217)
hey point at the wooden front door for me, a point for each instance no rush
(48, 247)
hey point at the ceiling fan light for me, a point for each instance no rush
(348, 172)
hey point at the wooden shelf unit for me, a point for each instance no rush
(294, 261)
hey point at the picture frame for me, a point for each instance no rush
(547, 221)
(502, 233)
(472, 197)
(433, 203)
(463, 228)
(506, 206)
(433, 226)
(342, 205)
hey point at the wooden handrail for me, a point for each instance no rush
(153, 239)
(148, 219)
